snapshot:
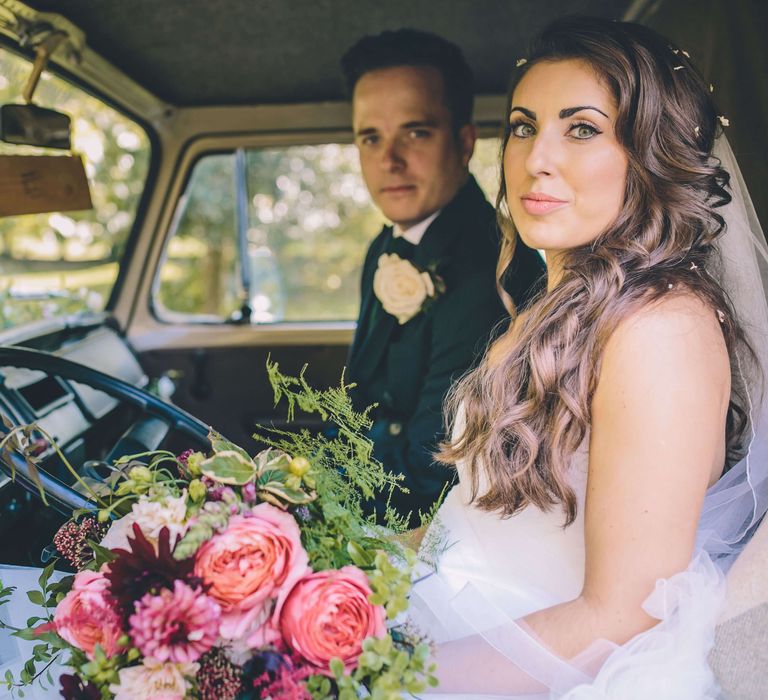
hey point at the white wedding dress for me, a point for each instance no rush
(489, 572)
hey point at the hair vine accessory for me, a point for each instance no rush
(724, 120)
(678, 68)
(694, 267)
(520, 62)
(677, 51)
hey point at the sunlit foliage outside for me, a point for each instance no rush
(64, 263)
(310, 220)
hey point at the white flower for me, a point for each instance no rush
(520, 62)
(117, 535)
(151, 516)
(401, 288)
(153, 679)
(724, 121)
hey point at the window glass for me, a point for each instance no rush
(308, 224)
(67, 262)
(199, 274)
(309, 228)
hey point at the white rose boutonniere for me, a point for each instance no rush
(403, 289)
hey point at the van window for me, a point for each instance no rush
(307, 223)
(67, 262)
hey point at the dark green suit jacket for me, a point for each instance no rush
(407, 369)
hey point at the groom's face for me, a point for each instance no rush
(412, 159)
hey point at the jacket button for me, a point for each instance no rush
(395, 428)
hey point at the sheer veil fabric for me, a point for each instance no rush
(486, 573)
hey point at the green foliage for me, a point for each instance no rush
(391, 583)
(229, 467)
(385, 671)
(49, 645)
(350, 453)
(212, 518)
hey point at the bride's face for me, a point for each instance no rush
(563, 166)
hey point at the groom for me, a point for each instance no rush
(429, 297)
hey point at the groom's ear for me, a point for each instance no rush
(466, 142)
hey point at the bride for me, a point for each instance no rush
(606, 448)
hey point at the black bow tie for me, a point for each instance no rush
(402, 247)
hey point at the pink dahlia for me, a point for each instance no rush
(177, 626)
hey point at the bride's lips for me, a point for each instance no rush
(538, 204)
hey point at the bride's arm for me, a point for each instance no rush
(657, 441)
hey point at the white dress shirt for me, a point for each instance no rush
(415, 233)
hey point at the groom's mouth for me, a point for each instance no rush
(397, 190)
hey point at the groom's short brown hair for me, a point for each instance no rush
(413, 47)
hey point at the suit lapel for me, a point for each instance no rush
(373, 323)
(435, 247)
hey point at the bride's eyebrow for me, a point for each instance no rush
(570, 111)
(564, 113)
(526, 112)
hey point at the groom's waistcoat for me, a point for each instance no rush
(407, 369)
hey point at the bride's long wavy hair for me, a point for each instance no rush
(527, 405)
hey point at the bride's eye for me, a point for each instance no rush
(583, 131)
(521, 129)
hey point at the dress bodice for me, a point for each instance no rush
(521, 563)
(481, 573)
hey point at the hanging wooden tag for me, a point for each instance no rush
(37, 184)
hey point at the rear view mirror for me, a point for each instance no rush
(30, 125)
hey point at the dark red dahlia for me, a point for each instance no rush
(140, 570)
(72, 688)
(72, 540)
(218, 678)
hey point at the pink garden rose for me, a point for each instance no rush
(255, 561)
(327, 614)
(86, 617)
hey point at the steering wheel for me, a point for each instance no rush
(156, 420)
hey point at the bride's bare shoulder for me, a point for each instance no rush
(665, 368)
(678, 327)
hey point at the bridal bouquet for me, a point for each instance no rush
(225, 575)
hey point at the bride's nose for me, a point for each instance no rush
(542, 154)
